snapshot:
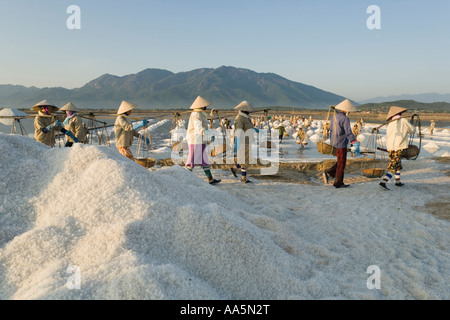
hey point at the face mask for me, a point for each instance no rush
(69, 113)
(45, 110)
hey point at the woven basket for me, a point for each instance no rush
(325, 148)
(411, 152)
(373, 172)
(146, 162)
(304, 143)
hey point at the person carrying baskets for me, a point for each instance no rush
(340, 135)
(397, 132)
(125, 131)
(197, 132)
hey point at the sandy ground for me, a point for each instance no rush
(441, 208)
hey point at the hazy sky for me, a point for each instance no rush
(326, 44)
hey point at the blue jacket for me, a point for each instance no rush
(342, 134)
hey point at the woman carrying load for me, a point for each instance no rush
(42, 121)
(243, 135)
(340, 135)
(197, 131)
(397, 132)
(124, 130)
(74, 123)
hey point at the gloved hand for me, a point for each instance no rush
(147, 140)
(213, 138)
(57, 123)
(70, 134)
(140, 124)
(50, 127)
(44, 130)
(355, 148)
(256, 129)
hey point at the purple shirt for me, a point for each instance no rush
(343, 133)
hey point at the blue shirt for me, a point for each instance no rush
(342, 134)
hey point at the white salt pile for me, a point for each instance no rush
(87, 223)
(431, 146)
(8, 112)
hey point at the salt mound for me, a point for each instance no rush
(131, 233)
(314, 137)
(431, 146)
(9, 112)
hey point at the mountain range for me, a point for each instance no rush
(422, 97)
(224, 87)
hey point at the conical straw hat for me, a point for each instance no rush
(200, 103)
(394, 111)
(44, 103)
(244, 106)
(125, 107)
(69, 107)
(346, 106)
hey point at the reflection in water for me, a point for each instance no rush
(299, 153)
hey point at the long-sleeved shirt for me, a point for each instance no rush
(42, 121)
(197, 126)
(397, 134)
(340, 130)
(75, 125)
(124, 131)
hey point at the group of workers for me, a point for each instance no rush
(46, 125)
(341, 134)
(397, 133)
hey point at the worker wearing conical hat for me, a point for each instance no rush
(42, 121)
(243, 139)
(301, 137)
(197, 131)
(397, 132)
(432, 125)
(340, 135)
(74, 124)
(124, 130)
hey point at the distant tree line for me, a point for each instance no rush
(383, 107)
